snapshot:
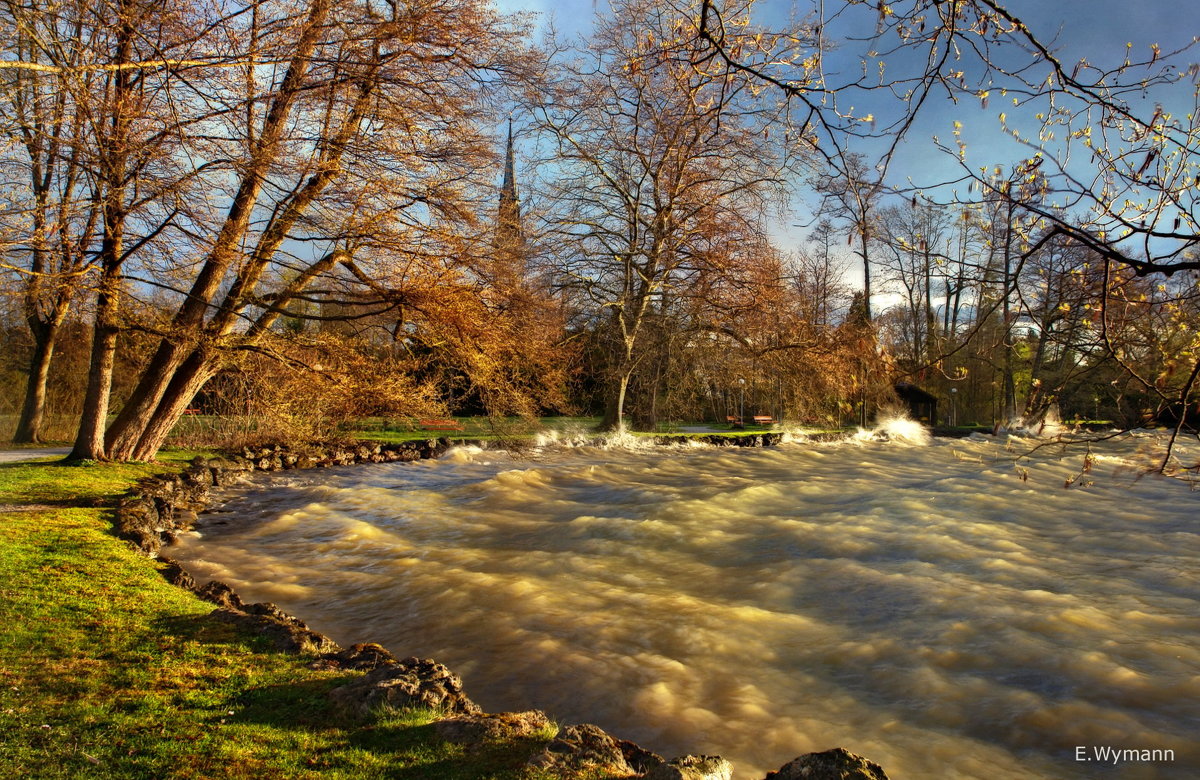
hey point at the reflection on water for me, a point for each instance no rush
(924, 606)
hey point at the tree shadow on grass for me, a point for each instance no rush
(419, 753)
(207, 630)
(405, 743)
(408, 745)
(298, 704)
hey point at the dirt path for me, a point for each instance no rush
(32, 453)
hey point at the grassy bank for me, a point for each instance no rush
(108, 671)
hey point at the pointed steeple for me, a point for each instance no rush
(509, 235)
(510, 203)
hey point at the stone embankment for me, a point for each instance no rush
(160, 508)
(764, 439)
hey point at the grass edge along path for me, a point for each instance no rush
(109, 671)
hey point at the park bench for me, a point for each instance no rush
(734, 422)
(440, 424)
(764, 419)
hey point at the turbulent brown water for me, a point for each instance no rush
(941, 609)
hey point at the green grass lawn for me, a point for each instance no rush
(482, 428)
(108, 671)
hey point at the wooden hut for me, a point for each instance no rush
(921, 405)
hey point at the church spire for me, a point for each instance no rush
(509, 201)
(509, 235)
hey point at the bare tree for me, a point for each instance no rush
(819, 277)
(851, 193)
(56, 213)
(243, 161)
(663, 154)
(121, 105)
(913, 237)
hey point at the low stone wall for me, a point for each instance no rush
(160, 508)
(760, 439)
(764, 439)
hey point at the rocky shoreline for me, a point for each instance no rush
(160, 508)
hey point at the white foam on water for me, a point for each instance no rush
(572, 437)
(897, 428)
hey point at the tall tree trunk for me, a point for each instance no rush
(614, 410)
(202, 364)
(186, 382)
(930, 316)
(1010, 385)
(866, 273)
(154, 424)
(614, 407)
(1038, 400)
(33, 411)
(114, 163)
(127, 430)
(89, 441)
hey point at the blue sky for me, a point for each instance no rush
(1087, 25)
(1096, 29)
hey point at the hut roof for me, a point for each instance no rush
(910, 393)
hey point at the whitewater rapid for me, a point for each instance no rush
(948, 609)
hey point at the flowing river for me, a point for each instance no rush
(944, 609)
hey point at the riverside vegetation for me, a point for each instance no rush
(109, 670)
